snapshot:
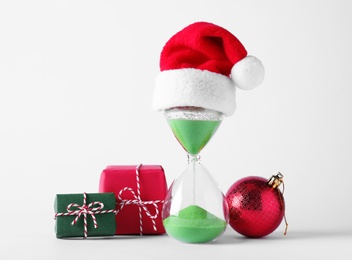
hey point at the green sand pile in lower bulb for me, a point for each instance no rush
(194, 224)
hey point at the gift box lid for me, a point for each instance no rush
(116, 177)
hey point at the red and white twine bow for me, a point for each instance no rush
(85, 210)
(138, 201)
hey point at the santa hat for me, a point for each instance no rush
(201, 66)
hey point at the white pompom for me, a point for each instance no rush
(248, 73)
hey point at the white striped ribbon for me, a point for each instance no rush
(138, 201)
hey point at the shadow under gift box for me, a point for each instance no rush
(63, 224)
(140, 192)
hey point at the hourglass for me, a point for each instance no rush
(201, 67)
(194, 210)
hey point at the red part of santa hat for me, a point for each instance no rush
(201, 66)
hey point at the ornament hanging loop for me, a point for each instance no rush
(275, 181)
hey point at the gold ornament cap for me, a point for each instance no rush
(276, 180)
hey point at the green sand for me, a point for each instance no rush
(193, 135)
(194, 225)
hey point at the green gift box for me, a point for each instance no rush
(82, 215)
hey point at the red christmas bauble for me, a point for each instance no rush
(256, 205)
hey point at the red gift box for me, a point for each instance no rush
(140, 192)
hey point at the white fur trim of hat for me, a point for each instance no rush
(202, 88)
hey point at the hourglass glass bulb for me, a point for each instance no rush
(195, 210)
(193, 127)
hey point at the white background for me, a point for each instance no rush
(76, 82)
